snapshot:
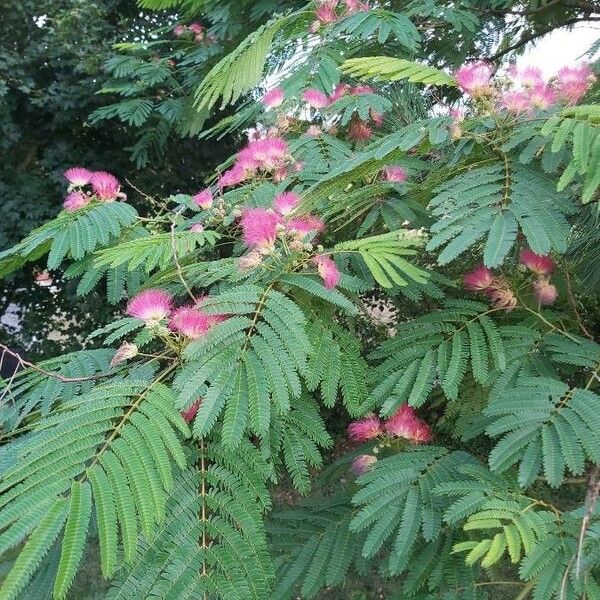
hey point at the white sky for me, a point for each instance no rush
(560, 48)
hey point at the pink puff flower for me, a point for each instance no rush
(150, 305)
(362, 464)
(106, 186)
(479, 279)
(179, 30)
(354, 6)
(274, 98)
(573, 82)
(359, 131)
(527, 76)
(303, 226)
(75, 200)
(267, 153)
(325, 13)
(196, 27)
(365, 429)
(545, 293)
(402, 422)
(232, 177)
(515, 101)
(197, 228)
(286, 202)
(204, 199)
(540, 265)
(189, 413)
(78, 176)
(501, 297)
(316, 98)
(341, 89)
(328, 270)
(314, 131)
(377, 118)
(361, 90)
(191, 322)
(394, 174)
(260, 227)
(542, 96)
(474, 78)
(421, 433)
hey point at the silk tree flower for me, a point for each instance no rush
(260, 227)
(286, 202)
(250, 261)
(421, 433)
(124, 353)
(106, 186)
(542, 96)
(303, 226)
(274, 98)
(314, 131)
(402, 422)
(196, 27)
(501, 296)
(515, 101)
(328, 270)
(78, 176)
(268, 154)
(573, 82)
(192, 322)
(75, 200)
(179, 30)
(359, 131)
(204, 199)
(479, 279)
(474, 79)
(361, 90)
(362, 464)
(325, 11)
(540, 265)
(377, 118)
(527, 77)
(365, 429)
(197, 228)
(151, 305)
(232, 177)
(316, 98)
(190, 413)
(394, 174)
(545, 293)
(354, 6)
(341, 89)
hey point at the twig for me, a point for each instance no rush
(573, 304)
(590, 502)
(177, 265)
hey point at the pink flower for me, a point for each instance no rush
(515, 101)
(527, 76)
(361, 90)
(179, 30)
(377, 118)
(328, 270)
(316, 98)
(197, 228)
(189, 413)
(421, 433)
(75, 200)
(540, 265)
(302, 226)
(204, 199)
(474, 78)
(362, 464)
(365, 429)
(501, 297)
(196, 27)
(124, 353)
(267, 153)
(274, 98)
(542, 96)
(260, 227)
(478, 279)
(250, 261)
(341, 89)
(359, 131)
(545, 293)
(286, 202)
(573, 82)
(353, 6)
(402, 422)
(78, 176)
(150, 305)
(314, 130)
(191, 322)
(232, 177)
(325, 13)
(394, 174)
(106, 186)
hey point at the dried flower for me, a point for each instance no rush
(540, 265)
(545, 293)
(124, 353)
(362, 464)
(501, 296)
(359, 131)
(479, 279)
(365, 429)
(150, 305)
(328, 270)
(190, 413)
(250, 261)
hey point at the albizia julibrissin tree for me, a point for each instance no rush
(246, 321)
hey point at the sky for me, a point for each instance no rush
(560, 48)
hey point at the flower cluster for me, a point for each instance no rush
(330, 11)
(156, 305)
(190, 413)
(542, 266)
(496, 289)
(104, 187)
(404, 424)
(524, 89)
(195, 29)
(268, 155)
